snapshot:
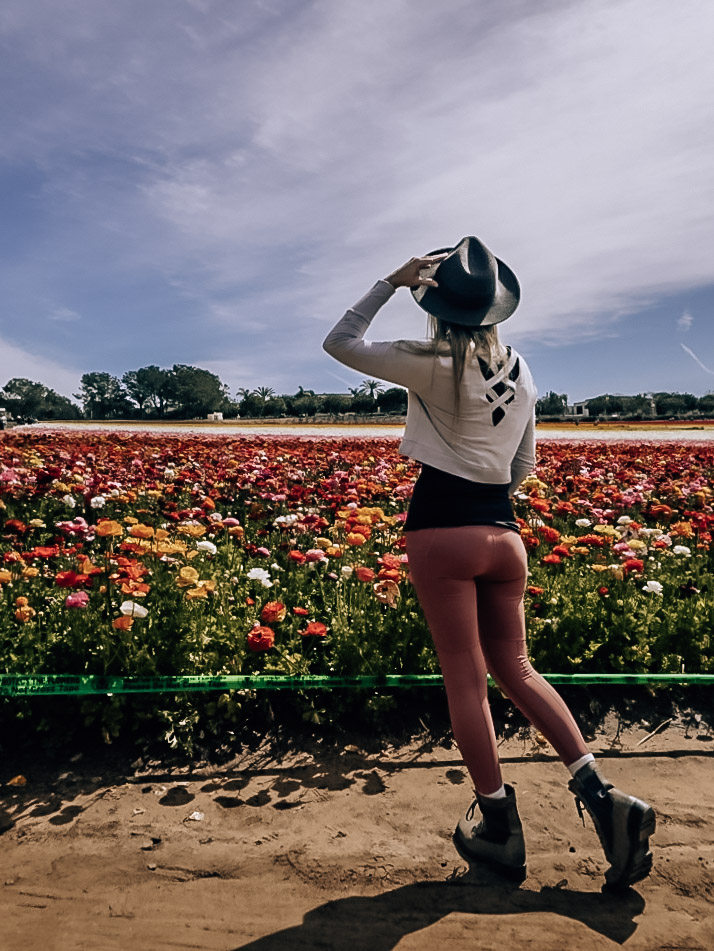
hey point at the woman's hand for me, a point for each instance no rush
(410, 274)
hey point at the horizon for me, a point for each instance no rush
(213, 185)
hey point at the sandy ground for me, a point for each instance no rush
(346, 849)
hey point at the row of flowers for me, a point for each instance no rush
(144, 554)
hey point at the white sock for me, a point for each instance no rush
(499, 794)
(574, 767)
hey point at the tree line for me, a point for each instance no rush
(186, 392)
(643, 406)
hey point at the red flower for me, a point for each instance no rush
(296, 556)
(534, 590)
(597, 541)
(261, 638)
(562, 550)
(549, 533)
(633, 564)
(551, 559)
(70, 579)
(603, 591)
(363, 573)
(301, 612)
(314, 629)
(273, 612)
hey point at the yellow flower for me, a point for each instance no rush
(30, 572)
(636, 544)
(187, 577)
(195, 531)
(599, 567)
(141, 531)
(130, 520)
(323, 543)
(201, 590)
(108, 527)
(606, 530)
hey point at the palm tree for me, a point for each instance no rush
(242, 393)
(371, 388)
(264, 393)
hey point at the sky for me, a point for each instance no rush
(214, 182)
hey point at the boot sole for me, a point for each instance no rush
(514, 873)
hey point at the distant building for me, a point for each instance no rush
(578, 409)
(215, 417)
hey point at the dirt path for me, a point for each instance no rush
(346, 851)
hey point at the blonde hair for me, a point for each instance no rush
(455, 340)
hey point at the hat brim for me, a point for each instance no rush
(507, 299)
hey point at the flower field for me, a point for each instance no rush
(156, 554)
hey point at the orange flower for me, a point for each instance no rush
(363, 573)
(300, 612)
(141, 531)
(355, 539)
(5, 576)
(683, 529)
(551, 559)
(122, 623)
(273, 612)
(548, 533)
(108, 527)
(314, 629)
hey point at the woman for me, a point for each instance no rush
(471, 423)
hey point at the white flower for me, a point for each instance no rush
(624, 520)
(583, 522)
(261, 575)
(682, 550)
(98, 502)
(69, 501)
(284, 520)
(652, 587)
(207, 546)
(132, 609)
(666, 539)
(347, 570)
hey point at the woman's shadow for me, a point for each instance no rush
(381, 921)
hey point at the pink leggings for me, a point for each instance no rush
(470, 582)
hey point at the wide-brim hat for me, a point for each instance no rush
(475, 289)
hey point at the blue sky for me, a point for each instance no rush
(214, 182)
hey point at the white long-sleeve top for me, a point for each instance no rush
(476, 444)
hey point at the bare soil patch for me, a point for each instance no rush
(346, 848)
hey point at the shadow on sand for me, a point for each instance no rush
(381, 921)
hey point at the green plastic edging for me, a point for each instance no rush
(33, 685)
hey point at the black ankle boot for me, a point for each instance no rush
(623, 824)
(496, 839)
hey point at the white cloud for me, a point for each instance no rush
(272, 160)
(16, 362)
(696, 359)
(685, 321)
(63, 314)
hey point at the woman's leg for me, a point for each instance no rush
(440, 564)
(502, 630)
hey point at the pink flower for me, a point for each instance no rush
(315, 554)
(78, 599)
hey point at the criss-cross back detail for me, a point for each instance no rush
(502, 389)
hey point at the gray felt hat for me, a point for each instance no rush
(475, 288)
